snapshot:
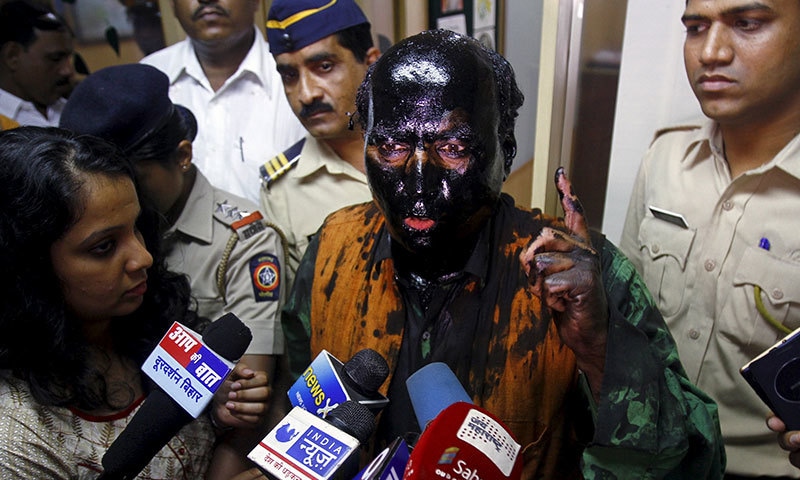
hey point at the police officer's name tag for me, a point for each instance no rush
(667, 216)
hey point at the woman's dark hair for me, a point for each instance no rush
(161, 146)
(42, 171)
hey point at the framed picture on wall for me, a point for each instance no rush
(480, 19)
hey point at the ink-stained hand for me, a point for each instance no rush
(564, 271)
(788, 440)
(243, 400)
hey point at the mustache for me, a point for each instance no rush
(316, 107)
(209, 8)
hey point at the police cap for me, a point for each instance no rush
(122, 104)
(294, 24)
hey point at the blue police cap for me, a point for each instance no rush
(294, 24)
(122, 104)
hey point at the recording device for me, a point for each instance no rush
(304, 445)
(389, 464)
(459, 440)
(328, 382)
(188, 371)
(775, 377)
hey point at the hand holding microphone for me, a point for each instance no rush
(191, 371)
(246, 408)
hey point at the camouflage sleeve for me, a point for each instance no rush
(296, 315)
(651, 421)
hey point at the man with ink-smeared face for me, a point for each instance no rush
(443, 267)
(433, 158)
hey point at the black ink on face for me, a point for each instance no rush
(433, 155)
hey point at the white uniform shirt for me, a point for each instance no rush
(25, 113)
(240, 126)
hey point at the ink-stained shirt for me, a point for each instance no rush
(240, 126)
(217, 228)
(298, 201)
(501, 342)
(57, 443)
(703, 257)
(25, 113)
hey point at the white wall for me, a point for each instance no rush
(523, 32)
(653, 93)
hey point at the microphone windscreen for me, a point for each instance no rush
(367, 370)
(228, 336)
(433, 388)
(354, 419)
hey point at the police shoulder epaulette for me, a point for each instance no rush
(278, 165)
(249, 225)
(244, 223)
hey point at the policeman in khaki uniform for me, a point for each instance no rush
(712, 224)
(322, 50)
(232, 256)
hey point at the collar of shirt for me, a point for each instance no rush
(257, 62)
(26, 113)
(316, 155)
(197, 219)
(11, 104)
(788, 159)
(477, 264)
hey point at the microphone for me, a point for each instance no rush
(327, 382)
(459, 440)
(188, 372)
(389, 464)
(304, 445)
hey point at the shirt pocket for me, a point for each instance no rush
(664, 251)
(779, 281)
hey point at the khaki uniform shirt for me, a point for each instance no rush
(703, 275)
(252, 282)
(318, 184)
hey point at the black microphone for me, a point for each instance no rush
(160, 417)
(387, 465)
(363, 375)
(327, 382)
(304, 445)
